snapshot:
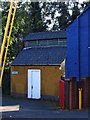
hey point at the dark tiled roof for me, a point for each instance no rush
(40, 56)
(45, 35)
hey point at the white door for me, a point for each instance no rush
(34, 84)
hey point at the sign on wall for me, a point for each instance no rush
(14, 72)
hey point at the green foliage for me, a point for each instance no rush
(64, 17)
(61, 14)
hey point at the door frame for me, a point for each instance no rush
(30, 86)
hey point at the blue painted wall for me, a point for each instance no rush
(83, 38)
(78, 43)
(89, 45)
(72, 50)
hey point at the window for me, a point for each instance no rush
(62, 42)
(53, 42)
(42, 42)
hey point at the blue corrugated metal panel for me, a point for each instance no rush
(72, 50)
(89, 45)
(78, 46)
(83, 33)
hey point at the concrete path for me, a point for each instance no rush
(38, 109)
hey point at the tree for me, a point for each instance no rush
(28, 19)
(75, 11)
(57, 15)
(64, 17)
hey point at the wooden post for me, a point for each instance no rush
(73, 93)
(70, 95)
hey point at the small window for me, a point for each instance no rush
(42, 42)
(52, 42)
(62, 42)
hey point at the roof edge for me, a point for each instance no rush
(37, 65)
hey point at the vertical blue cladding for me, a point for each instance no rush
(83, 37)
(89, 42)
(78, 47)
(72, 50)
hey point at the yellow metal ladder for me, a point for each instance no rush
(6, 38)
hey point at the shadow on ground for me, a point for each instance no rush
(39, 109)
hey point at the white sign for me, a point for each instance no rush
(14, 72)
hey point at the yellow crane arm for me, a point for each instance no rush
(2, 63)
(6, 32)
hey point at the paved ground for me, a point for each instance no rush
(37, 109)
